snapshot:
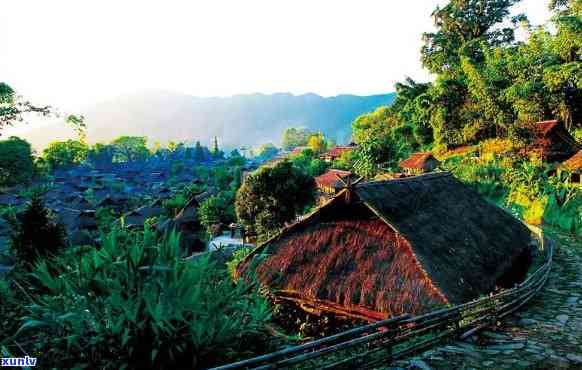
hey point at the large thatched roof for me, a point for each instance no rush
(458, 246)
(463, 242)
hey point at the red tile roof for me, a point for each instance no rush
(417, 160)
(298, 150)
(574, 164)
(338, 151)
(330, 178)
(545, 127)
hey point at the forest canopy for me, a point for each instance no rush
(486, 84)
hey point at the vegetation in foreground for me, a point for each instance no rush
(108, 307)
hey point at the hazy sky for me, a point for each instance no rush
(73, 53)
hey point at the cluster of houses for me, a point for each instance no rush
(76, 194)
(551, 142)
(403, 243)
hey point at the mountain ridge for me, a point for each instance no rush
(242, 119)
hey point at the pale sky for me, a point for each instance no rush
(72, 53)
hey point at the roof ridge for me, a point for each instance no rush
(426, 176)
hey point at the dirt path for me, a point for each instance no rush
(546, 334)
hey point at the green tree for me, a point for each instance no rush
(294, 137)
(65, 153)
(236, 159)
(198, 152)
(130, 148)
(13, 107)
(461, 26)
(36, 234)
(317, 143)
(216, 152)
(78, 124)
(217, 209)
(271, 196)
(465, 29)
(16, 162)
(267, 151)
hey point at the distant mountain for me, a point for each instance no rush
(236, 120)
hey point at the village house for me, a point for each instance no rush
(298, 150)
(552, 142)
(385, 248)
(332, 181)
(187, 224)
(334, 153)
(419, 163)
(574, 165)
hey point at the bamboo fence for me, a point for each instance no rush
(382, 342)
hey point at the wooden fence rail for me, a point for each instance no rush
(380, 343)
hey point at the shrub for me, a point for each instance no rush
(136, 304)
(36, 234)
(105, 218)
(237, 257)
(175, 204)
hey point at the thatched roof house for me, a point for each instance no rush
(419, 163)
(553, 142)
(389, 247)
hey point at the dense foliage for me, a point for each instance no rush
(529, 188)
(272, 196)
(136, 304)
(487, 85)
(295, 137)
(16, 161)
(36, 234)
(65, 153)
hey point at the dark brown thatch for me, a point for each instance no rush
(395, 246)
(553, 141)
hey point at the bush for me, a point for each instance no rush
(175, 204)
(105, 218)
(218, 209)
(136, 304)
(237, 257)
(36, 233)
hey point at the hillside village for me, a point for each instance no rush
(445, 231)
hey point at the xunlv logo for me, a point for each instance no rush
(19, 361)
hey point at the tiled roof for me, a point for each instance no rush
(574, 164)
(330, 178)
(417, 160)
(338, 151)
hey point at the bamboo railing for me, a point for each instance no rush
(379, 343)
